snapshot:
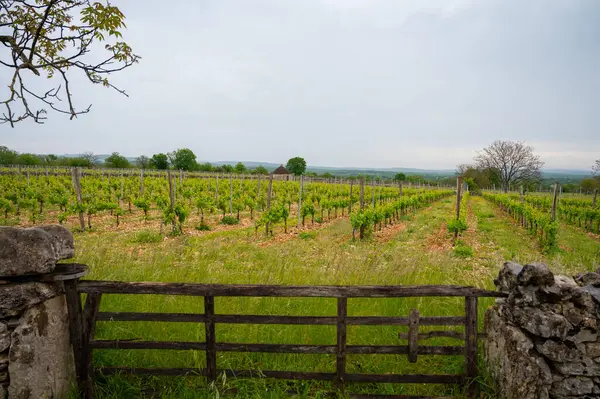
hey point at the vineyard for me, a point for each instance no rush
(209, 228)
(179, 203)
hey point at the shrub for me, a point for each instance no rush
(463, 251)
(147, 237)
(307, 235)
(455, 225)
(485, 215)
(229, 220)
(203, 227)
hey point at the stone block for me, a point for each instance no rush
(16, 297)
(40, 357)
(33, 250)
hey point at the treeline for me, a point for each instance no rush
(185, 159)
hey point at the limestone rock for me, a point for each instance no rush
(592, 349)
(41, 361)
(558, 352)
(593, 291)
(542, 323)
(573, 386)
(14, 298)
(33, 250)
(4, 337)
(586, 368)
(535, 274)
(519, 371)
(584, 335)
(565, 282)
(589, 279)
(507, 278)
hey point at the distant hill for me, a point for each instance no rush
(562, 175)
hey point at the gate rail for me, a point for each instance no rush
(83, 320)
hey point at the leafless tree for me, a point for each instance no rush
(51, 39)
(596, 167)
(91, 158)
(142, 162)
(514, 161)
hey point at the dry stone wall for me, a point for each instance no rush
(36, 359)
(543, 339)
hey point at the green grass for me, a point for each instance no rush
(419, 254)
(146, 237)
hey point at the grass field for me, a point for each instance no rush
(417, 251)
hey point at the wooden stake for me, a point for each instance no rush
(350, 202)
(231, 194)
(459, 180)
(593, 206)
(217, 191)
(300, 200)
(555, 201)
(373, 193)
(77, 186)
(141, 182)
(523, 204)
(171, 198)
(362, 193)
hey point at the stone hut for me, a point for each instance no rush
(281, 173)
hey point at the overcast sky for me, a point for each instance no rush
(365, 83)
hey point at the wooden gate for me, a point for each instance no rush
(84, 318)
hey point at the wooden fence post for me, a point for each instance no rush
(342, 312)
(76, 333)
(471, 343)
(413, 335)
(209, 327)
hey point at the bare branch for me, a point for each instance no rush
(57, 46)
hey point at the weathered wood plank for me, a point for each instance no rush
(209, 326)
(380, 396)
(342, 309)
(403, 350)
(122, 287)
(277, 348)
(403, 321)
(125, 344)
(226, 319)
(413, 333)
(407, 378)
(90, 314)
(435, 334)
(287, 375)
(274, 319)
(471, 344)
(292, 375)
(90, 310)
(76, 334)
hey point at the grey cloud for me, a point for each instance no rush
(346, 82)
